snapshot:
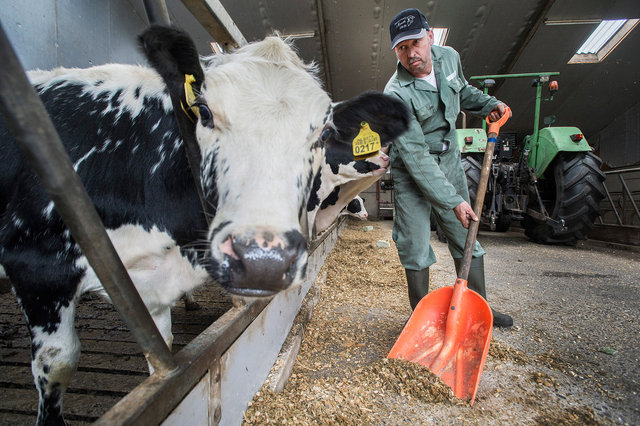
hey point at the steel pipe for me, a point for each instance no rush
(157, 12)
(630, 195)
(615, 211)
(527, 74)
(620, 171)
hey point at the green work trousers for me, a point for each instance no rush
(412, 227)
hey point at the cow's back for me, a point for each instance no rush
(117, 126)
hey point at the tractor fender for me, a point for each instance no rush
(551, 141)
(476, 143)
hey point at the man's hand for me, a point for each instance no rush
(465, 214)
(498, 112)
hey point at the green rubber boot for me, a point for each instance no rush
(418, 284)
(476, 282)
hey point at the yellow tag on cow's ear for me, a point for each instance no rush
(192, 111)
(367, 143)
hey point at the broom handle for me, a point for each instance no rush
(494, 129)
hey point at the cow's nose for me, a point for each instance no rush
(266, 264)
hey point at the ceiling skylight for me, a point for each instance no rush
(603, 40)
(440, 36)
(601, 35)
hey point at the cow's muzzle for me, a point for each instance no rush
(263, 265)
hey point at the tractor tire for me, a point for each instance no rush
(503, 223)
(571, 190)
(472, 166)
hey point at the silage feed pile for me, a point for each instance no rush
(341, 374)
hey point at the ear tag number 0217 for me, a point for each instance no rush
(367, 143)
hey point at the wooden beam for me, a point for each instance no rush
(620, 234)
(215, 19)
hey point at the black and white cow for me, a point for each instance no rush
(341, 178)
(340, 185)
(264, 127)
(356, 209)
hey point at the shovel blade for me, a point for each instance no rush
(449, 332)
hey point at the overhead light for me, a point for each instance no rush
(603, 40)
(571, 21)
(296, 36)
(440, 36)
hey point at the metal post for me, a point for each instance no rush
(630, 195)
(157, 12)
(322, 32)
(527, 74)
(536, 115)
(34, 132)
(615, 211)
(484, 122)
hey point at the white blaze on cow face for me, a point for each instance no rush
(262, 152)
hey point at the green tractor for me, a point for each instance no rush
(553, 187)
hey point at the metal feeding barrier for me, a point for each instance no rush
(622, 200)
(211, 379)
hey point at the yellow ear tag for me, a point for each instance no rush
(189, 96)
(367, 143)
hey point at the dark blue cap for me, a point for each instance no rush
(406, 25)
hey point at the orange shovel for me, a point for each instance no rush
(450, 328)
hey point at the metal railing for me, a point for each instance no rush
(622, 204)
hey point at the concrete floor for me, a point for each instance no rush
(579, 304)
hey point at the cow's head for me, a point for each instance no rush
(341, 177)
(263, 127)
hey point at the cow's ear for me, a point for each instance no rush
(172, 53)
(386, 115)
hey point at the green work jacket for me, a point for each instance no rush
(433, 123)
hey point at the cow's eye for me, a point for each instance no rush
(326, 134)
(206, 118)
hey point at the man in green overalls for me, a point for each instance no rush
(427, 172)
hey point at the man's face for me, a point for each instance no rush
(415, 55)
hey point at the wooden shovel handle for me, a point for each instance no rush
(494, 129)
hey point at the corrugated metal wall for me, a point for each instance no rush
(83, 33)
(618, 142)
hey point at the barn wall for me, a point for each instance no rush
(81, 33)
(619, 142)
(370, 201)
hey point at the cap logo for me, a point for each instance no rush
(405, 22)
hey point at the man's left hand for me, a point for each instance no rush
(498, 112)
(465, 214)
